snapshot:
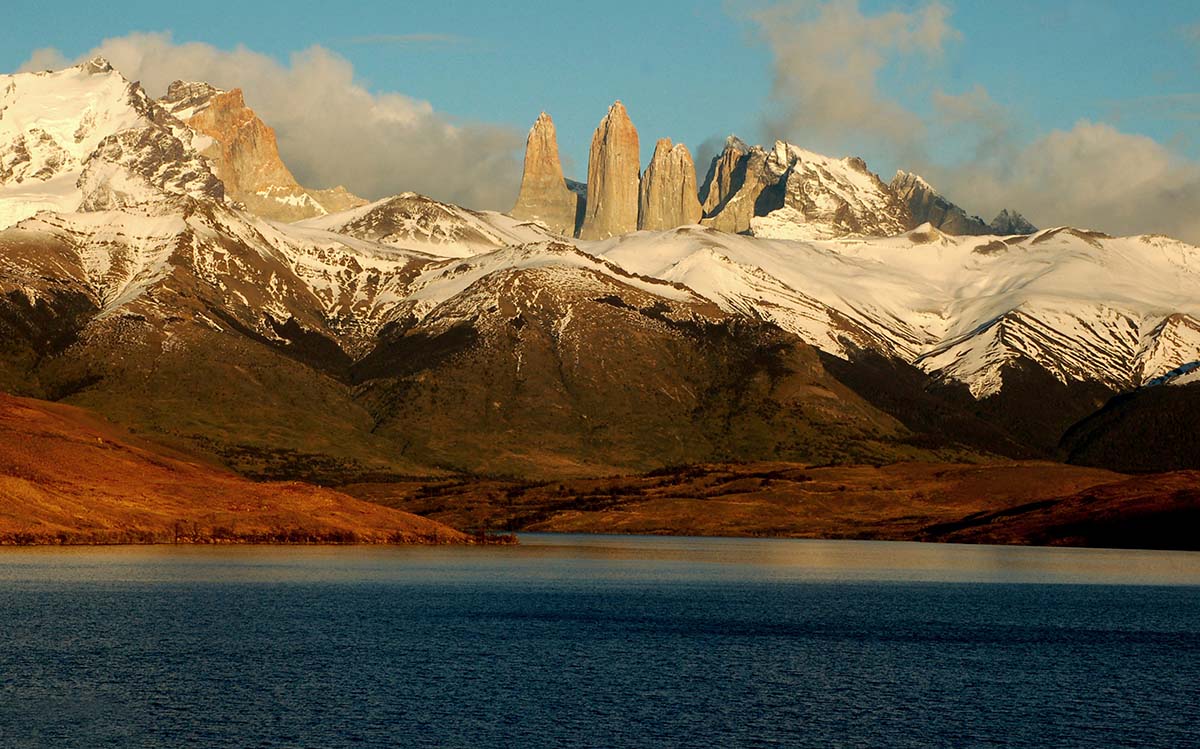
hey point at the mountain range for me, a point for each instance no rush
(161, 266)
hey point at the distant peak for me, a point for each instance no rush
(96, 65)
(180, 90)
(735, 143)
(912, 178)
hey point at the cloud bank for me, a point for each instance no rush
(827, 60)
(331, 130)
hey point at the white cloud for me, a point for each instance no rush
(1093, 176)
(332, 130)
(44, 58)
(828, 57)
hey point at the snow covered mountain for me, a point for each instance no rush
(1083, 306)
(791, 193)
(413, 330)
(85, 138)
(416, 222)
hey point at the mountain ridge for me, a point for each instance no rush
(407, 335)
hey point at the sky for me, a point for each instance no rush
(1071, 112)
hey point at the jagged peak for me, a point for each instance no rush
(734, 143)
(1011, 222)
(617, 109)
(96, 65)
(905, 178)
(180, 89)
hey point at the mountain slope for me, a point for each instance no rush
(550, 362)
(68, 477)
(1083, 306)
(291, 350)
(1150, 429)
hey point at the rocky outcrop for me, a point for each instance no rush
(817, 197)
(927, 205)
(725, 175)
(245, 155)
(791, 193)
(668, 189)
(1010, 222)
(544, 195)
(750, 179)
(613, 167)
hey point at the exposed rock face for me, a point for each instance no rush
(927, 205)
(725, 175)
(668, 189)
(818, 197)
(791, 193)
(613, 166)
(1010, 222)
(245, 155)
(140, 164)
(748, 180)
(544, 195)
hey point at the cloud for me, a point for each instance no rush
(331, 130)
(410, 40)
(45, 58)
(1093, 176)
(827, 61)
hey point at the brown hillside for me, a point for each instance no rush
(897, 502)
(68, 477)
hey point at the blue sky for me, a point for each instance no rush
(685, 70)
(693, 71)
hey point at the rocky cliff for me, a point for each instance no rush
(746, 180)
(725, 175)
(613, 167)
(929, 206)
(544, 195)
(245, 155)
(791, 193)
(668, 189)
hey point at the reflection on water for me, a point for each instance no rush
(550, 555)
(601, 641)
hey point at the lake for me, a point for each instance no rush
(600, 641)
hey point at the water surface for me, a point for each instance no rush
(600, 641)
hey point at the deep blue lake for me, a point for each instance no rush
(600, 641)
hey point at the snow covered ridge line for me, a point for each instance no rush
(135, 206)
(1083, 306)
